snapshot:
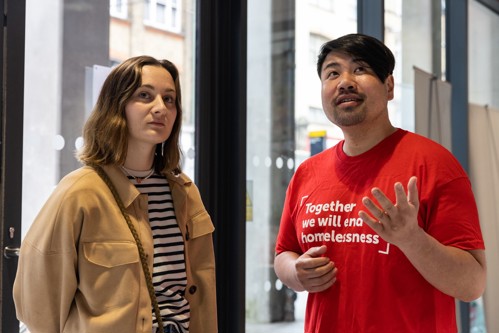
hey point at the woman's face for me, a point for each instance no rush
(152, 110)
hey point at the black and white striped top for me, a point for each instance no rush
(169, 273)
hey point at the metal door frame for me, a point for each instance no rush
(13, 21)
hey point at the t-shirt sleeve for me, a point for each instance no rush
(287, 236)
(454, 216)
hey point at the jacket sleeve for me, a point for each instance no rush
(46, 279)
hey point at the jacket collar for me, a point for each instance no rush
(180, 178)
(126, 190)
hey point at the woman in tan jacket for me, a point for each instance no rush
(123, 244)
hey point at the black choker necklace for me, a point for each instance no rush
(138, 179)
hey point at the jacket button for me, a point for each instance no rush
(192, 290)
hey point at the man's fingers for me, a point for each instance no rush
(412, 192)
(377, 212)
(313, 258)
(320, 282)
(386, 205)
(315, 288)
(375, 225)
(316, 251)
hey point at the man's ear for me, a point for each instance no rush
(390, 85)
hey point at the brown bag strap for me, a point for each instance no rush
(142, 254)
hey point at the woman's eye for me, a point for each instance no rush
(169, 99)
(143, 94)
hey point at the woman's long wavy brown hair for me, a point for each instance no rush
(105, 133)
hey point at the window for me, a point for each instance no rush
(119, 8)
(483, 48)
(322, 4)
(414, 44)
(315, 44)
(163, 14)
(284, 111)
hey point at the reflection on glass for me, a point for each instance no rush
(483, 49)
(413, 31)
(284, 107)
(64, 39)
(65, 65)
(483, 90)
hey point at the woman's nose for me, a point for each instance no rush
(159, 104)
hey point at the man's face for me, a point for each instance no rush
(352, 94)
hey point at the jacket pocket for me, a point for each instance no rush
(109, 275)
(200, 225)
(111, 254)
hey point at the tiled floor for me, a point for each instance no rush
(294, 327)
(283, 327)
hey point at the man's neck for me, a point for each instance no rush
(359, 140)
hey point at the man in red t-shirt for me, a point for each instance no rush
(373, 255)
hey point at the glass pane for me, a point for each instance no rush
(284, 121)
(483, 88)
(160, 13)
(70, 47)
(413, 33)
(483, 49)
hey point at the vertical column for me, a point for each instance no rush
(221, 145)
(282, 135)
(370, 18)
(13, 16)
(456, 58)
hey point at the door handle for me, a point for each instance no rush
(11, 252)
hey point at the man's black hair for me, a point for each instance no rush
(362, 48)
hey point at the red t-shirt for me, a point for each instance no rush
(377, 288)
